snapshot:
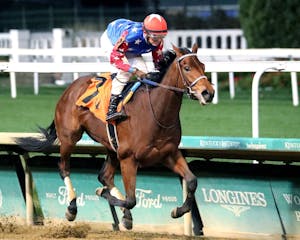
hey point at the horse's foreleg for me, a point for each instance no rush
(106, 177)
(110, 191)
(180, 167)
(64, 169)
(72, 208)
(129, 171)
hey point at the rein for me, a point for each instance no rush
(155, 118)
(156, 84)
(172, 88)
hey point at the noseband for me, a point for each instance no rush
(186, 83)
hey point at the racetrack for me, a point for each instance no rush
(10, 229)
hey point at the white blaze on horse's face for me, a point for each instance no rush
(202, 90)
(192, 73)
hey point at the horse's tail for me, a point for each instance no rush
(42, 144)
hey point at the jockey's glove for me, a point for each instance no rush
(140, 74)
(154, 76)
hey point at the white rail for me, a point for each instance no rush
(226, 61)
(212, 67)
(259, 67)
(56, 46)
(207, 54)
(82, 67)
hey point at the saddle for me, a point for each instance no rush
(97, 95)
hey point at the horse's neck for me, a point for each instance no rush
(169, 101)
(172, 78)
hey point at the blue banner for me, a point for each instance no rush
(239, 143)
(287, 196)
(237, 205)
(155, 196)
(11, 198)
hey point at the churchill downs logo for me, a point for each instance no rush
(234, 201)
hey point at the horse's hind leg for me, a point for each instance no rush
(66, 149)
(110, 191)
(179, 166)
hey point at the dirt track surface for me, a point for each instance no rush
(11, 230)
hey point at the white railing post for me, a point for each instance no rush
(75, 74)
(14, 38)
(233, 41)
(255, 119)
(214, 80)
(231, 85)
(58, 35)
(35, 81)
(255, 99)
(294, 88)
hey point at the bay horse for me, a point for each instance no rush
(149, 136)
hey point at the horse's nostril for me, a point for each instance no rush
(211, 96)
(205, 92)
(207, 96)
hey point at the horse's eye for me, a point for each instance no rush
(187, 68)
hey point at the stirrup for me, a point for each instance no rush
(116, 115)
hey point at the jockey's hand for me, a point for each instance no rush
(154, 76)
(140, 74)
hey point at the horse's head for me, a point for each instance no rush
(191, 71)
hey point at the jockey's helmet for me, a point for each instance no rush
(155, 25)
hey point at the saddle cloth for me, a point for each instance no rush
(97, 95)
(96, 98)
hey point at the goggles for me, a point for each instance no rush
(155, 36)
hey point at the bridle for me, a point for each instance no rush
(186, 83)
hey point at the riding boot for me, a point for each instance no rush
(112, 113)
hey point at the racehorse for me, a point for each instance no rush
(150, 134)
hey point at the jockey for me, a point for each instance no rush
(124, 41)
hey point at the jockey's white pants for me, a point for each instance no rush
(122, 77)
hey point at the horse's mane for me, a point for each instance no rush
(165, 62)
(167, 59)
(162, 66)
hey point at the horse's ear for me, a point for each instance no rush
(195, 48)
(176, 49)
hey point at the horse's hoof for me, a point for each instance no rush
(69, 216)
(127, 223)
(71, 211)
(174, 213)
(100, 190)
